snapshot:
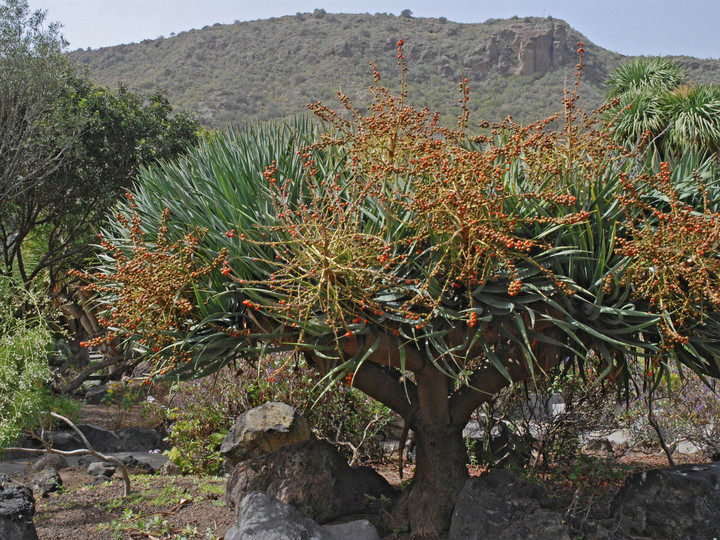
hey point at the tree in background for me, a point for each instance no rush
(426, 268)
(36, 137)
(653, 101)
(122, 131)
(68, 148)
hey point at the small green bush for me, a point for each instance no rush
(202, 411)
(26, 341)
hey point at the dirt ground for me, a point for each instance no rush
(158, 507)
(174, 507)
(165, 507)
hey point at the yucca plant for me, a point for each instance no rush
(651, 102)
(423, 267)
(645, 73)
(694, 119)
(636, 90)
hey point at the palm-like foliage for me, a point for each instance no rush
(650, 100)
(642, 74)
(639, 114)
(694, 119)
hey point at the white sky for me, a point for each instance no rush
(632, 27)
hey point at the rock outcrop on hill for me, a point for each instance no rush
(272, 68)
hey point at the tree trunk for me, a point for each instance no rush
(440, 460)
(440, 474)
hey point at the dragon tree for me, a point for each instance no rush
(428, 267)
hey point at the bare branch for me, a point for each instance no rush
(88, 450)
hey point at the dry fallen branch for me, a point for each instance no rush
(88, 450)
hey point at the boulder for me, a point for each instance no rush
(17, 507)
(63, 440)
(56, 461)
(100, 480)
(87, 460)
(135, 466)
(102, 440)
(262, 517)
(135, 439)
(170, 469)
(313, 477)
(132, 439)
(24, 442)
(95, 395)
(682, 502)
(499, 505)
(45, 481)
(263, 430)
(100, 468)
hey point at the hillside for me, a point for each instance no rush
(231, 74)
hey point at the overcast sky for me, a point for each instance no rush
(632, 27)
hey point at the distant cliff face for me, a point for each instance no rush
(272, 68)
(520, 50)
(522, 47)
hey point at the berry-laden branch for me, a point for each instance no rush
(150, 295)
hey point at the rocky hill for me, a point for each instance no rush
(246, 71)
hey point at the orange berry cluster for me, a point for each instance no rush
(149, 295)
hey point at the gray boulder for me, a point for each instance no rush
(102, 440)
(132, 439)
(263, 430)
(499, 505)
(682, 502)
(95, 395)
(63, 440)
(56, 461)
(136, 466)
(45, 481)
(313, 477)
(24, 442)
(100, 468)
(262, 517)
(135, 439)
(170, 469)
(17, 507)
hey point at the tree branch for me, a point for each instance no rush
(388, 387)
(388, 352)
(77, 382)
(88, 450)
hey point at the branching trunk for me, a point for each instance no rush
(440, 459)
(437, 412)
(88, 372)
